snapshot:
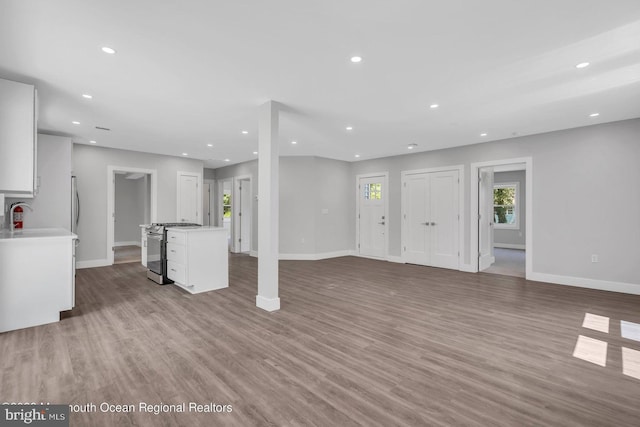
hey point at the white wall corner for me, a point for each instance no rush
(268, 304)
(92, 263)
(602, 285)
(396, 259)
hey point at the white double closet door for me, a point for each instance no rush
(431, 219)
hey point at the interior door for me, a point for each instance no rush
(372, 216)
(431, 221)
(206, 204)
(188, 199)
(245, 215)
(485, 218)
(444, 221)
(416, 219)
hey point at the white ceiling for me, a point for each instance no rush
(191, 73)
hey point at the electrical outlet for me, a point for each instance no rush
(594, 258)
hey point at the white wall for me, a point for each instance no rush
(307, 186)
(131, 196)
(90, 166)
(509, 236)
(596, 170)
(52, 203)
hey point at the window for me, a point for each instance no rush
(226, 205)
(506, 209)
(373, 191)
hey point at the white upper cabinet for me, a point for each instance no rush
(17, 139)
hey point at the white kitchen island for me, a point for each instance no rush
(198, 258)
(37, 276)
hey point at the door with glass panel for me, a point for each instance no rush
(372, 216)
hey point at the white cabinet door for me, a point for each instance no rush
(17, 139)
(189, 198)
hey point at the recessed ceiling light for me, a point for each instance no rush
(483, 134)
(433, 106)
(185, 154)
(294, 142)
(86, 95)
(411, 146)
(582, 65)
(75, 122)
(357, 155)
(349, 127)
(255, 152)
(209, 145)
(227, 160)
(356, 59)
(594, 115)
(92, 142)
(244, 132)
(109, 50)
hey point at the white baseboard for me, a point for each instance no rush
(92, 263)
(132, 243)
(467, 268)
(268, 304)
(603, 285)
(509, 246)
(396, 259)
(315, 257)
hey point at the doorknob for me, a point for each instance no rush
(424, 223)
(433, 223)
(381, 223)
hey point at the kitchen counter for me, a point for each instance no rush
(37, 279)
(36, 233)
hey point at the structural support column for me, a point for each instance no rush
(268, 201)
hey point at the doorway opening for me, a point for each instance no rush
(504, 217)
(131, 202)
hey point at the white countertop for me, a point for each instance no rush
(36, 233)
(198, 229)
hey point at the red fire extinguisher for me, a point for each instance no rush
(17, 217)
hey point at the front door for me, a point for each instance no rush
(372, 216)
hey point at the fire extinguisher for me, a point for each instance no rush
(17, 217)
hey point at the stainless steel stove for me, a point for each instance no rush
(157, 250)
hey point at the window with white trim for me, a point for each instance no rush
(506, 206)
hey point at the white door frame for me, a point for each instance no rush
(385, 186)
(111, 196)
(473, 217)
(212, 192)
(236, 222)
(198, 194)
(461, 222)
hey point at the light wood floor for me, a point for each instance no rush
(357, 342)
(125, 254)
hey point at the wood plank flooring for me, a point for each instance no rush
(357, 342)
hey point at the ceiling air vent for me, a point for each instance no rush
(101, 128)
